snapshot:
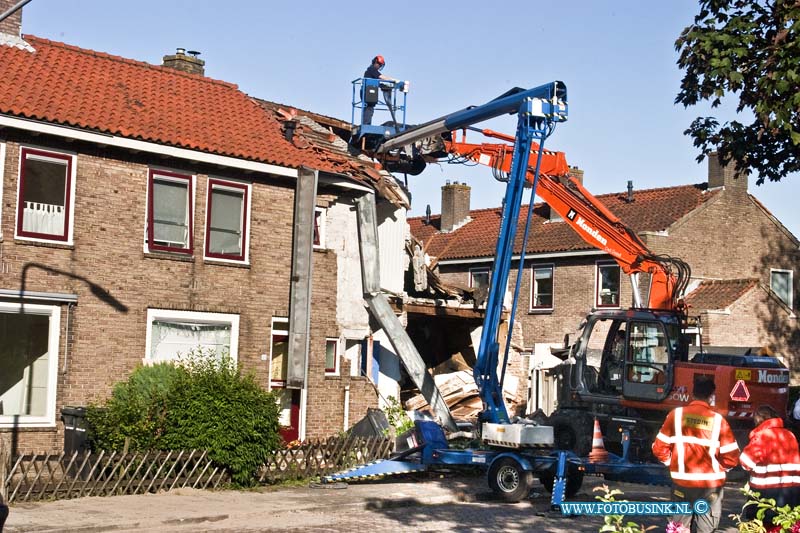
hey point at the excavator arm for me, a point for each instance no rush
(587, 215)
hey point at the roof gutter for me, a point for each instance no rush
(143, 146)
(528, 257)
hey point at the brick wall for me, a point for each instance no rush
(104, 344)
(12, 24)
(574, 293)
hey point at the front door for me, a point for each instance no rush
(289, 414)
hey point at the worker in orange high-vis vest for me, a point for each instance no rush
(773, 459)
(698, 446)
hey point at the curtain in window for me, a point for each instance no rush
(44, 197)
(24, 364)
(226, 222)
(171, 213)
(171, 340)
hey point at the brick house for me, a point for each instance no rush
(743, 260)
(149, 210)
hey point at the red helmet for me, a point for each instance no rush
(379, 60)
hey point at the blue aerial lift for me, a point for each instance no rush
(512, 451)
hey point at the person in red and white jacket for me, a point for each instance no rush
(773, 459)
(698, 446)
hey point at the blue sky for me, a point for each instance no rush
(617, 59)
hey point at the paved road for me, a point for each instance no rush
(430, 503)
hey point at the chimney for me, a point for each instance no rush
(11, 25)
(629, 199)
(576, 173)
(725, 176)
(455, 205)
(185, 61)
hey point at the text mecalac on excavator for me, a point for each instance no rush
(627, 369)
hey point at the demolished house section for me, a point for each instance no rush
(445, 321)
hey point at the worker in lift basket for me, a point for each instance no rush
(698, 446)
(374, 72)
(773, 460)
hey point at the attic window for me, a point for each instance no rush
(781, 283)
(46, 189)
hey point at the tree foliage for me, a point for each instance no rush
(749, 49)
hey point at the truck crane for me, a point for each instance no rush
(644, 369)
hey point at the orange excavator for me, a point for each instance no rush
(590, 219)
(629, 367)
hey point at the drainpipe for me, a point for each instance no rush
(346, 407)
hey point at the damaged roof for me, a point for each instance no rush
(651, 210)
(718, 295)
(321, 135)
(62, 84)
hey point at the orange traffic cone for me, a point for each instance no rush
(598, 453)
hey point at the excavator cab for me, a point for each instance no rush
(630, 353)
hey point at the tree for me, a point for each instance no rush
(749, 49)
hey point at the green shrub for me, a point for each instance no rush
(217, 409)
(203, 403)
(136, 410)
(397, 416)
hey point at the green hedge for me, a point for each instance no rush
(203, 403)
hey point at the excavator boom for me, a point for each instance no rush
(587, 215)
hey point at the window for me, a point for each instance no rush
(648, 353)
(608, 283)
(172, 335)
(319, 227)
(542, 288)
(226, 220)
(479, 278)
(279, 352)
(2, 180)
(781, 283)
(29, 359)
(169, 212)
(46, 189)
(331, 357)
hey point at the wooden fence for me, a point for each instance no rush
(43, 476)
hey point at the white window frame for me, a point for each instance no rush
(279, 326)
(597, 278)
(337, 357)
(790, 304)
(192, 316)
(220, 184)
(323, 216)
(2, 184)
(54, 345)
(73, 174)
(168, 175)
(480, 270)
(534, 268)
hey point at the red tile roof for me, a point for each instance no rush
(71, 86)
(718, 294)
(651, 210)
